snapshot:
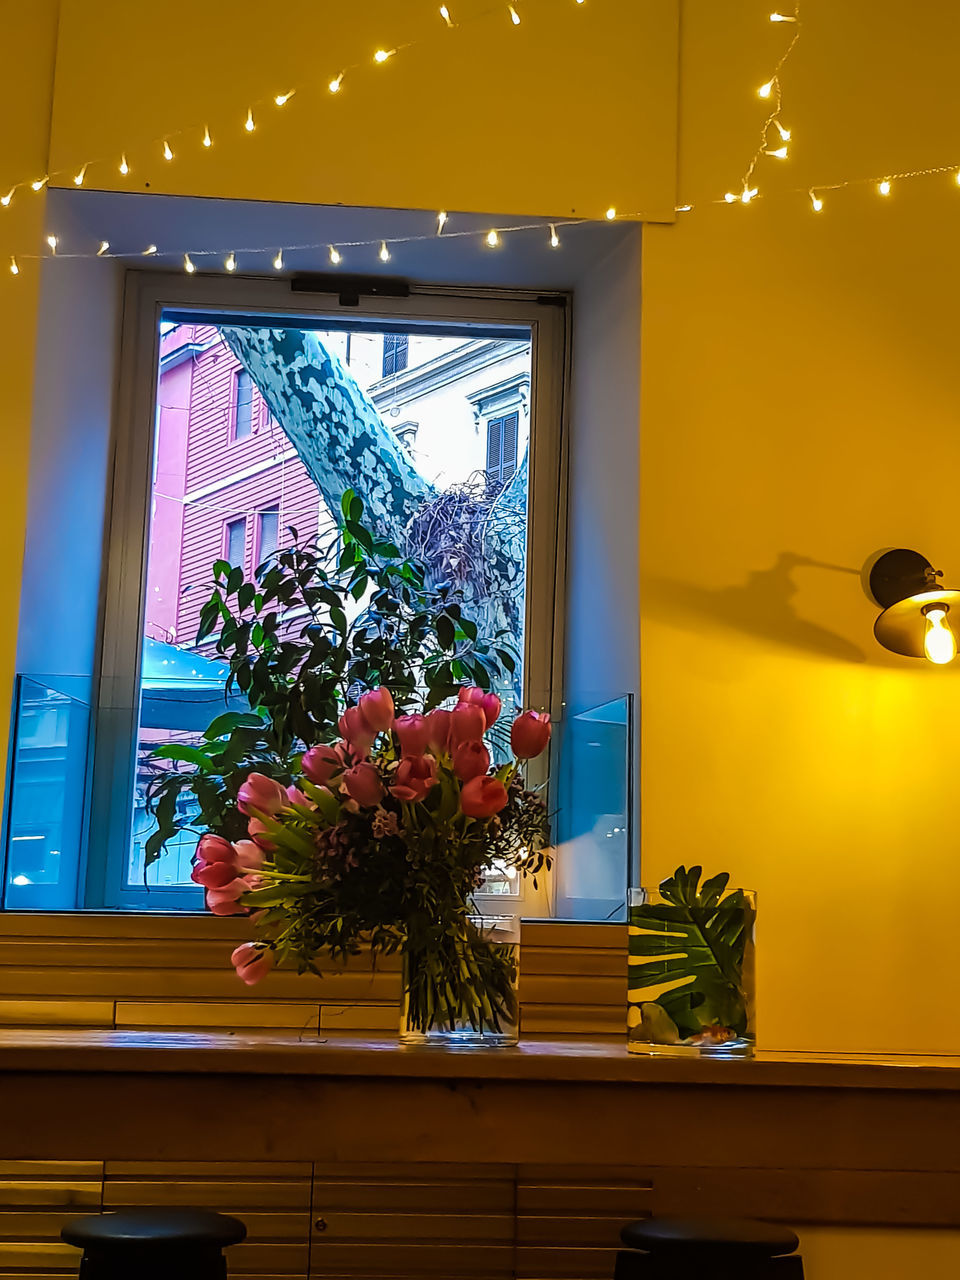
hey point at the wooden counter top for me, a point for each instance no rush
(535, 1060)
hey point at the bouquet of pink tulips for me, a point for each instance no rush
(380, 841)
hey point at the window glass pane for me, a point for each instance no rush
(243, 423)
(293, 472)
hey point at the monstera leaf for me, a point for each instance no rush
(697, 939)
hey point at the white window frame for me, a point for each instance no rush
(146, 296)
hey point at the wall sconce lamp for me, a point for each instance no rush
(916, 609)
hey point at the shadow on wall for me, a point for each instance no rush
(761, 607)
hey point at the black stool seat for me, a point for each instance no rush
(153, 1244)
(691, 1248)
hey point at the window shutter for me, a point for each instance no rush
(494, 447)
(509, 431)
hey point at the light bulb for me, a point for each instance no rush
(765, 90)
(816, 202)
(493, 239)
(784, 133)
(336, 257)
(684, 208)
(554, 238)
(14, 268)
(610, 214)
(384, 254)
(52, 242)
(939, 642)
(441, 222)
(230, 262)
(335, 83)
(79, 177)
(248, 124)
(188, 266)
(383, 54)
(5, 200)
(124, 167)
(445, 15)
(104, 246)
(729, 197)
(514, 16)
(781, 17)
(167, 153)
(747, 194)
(283, 98)
(884, 187)
(149, 251)
(278, 261)
(39, 184)
(207, 140)
(958, 182)
(780, 153)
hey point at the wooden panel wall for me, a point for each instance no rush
(174, 971)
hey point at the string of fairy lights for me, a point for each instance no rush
(491, 239)
(778, 147)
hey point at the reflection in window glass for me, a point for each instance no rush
(236, 536)
(243, 422)
(268, 533)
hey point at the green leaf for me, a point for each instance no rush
(234, 579)
(177, 751)
(221, 568)
(231, 720)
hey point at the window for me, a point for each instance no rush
(234, 541)
(502, 436)
(244, 405)
(268, 533)
(394, 353)
(158, 683)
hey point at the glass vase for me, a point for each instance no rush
(690, 986)
(462, 991)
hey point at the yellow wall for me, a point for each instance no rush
(799, 412)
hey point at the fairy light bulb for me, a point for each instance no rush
(188, 265)
(383, 54)
(104, 246)
(514, 16)
(149, 251)
(782, 17)
(441, 221)
(278, 261)
(335, 83)
(445, 15)
(230, 262)
(249, 123)
(124, 167)
(554, 238)
(747, 194)
(780, 153)
(167, 153)
(884, 187)
(684, 208)
(939, 642)
(493, 239)
(283, 98)
(79, 176)
(38, 184)
(14, 267)
(336, 257)
(52, 241)
(729, 197)
(5, 200)
(207, 140)
(610, 214)
(784, 133)
(765, 90)
(384, 254)
(816, 202)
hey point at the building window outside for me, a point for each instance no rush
(234, 541)
(395, 348)
(244, 405)
(268, 533)
(502, 438)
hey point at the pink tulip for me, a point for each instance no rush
(377, 709)
(483, 797)
(296, 796)
(470, 760)
(249, 855)
(252, 962)
(224, 901)
(438, 723)
(467, 723)
(414, 734)
(488, 703)
(258, 831)
(415, 777)
(321, 763)
(355, 730)
(214, 875)
(363, 784)
(261, 794)
(213, 848)
(530, 734)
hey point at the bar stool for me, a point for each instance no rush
(153, 1244)
(708, 1249)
